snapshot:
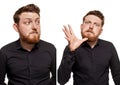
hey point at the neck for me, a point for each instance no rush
(92, 44)
(27, 46)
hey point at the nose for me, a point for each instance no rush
(34, 25)
(91, 26)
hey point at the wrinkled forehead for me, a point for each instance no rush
(93, 18)
(31, 15)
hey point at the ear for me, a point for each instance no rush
(101, 31)
(15, 26)
(81, 26)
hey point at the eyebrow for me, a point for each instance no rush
(31, 18)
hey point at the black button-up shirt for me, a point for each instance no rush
(28, 68)
(90, 66)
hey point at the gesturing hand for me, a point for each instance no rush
(73, 41)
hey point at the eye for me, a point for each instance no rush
(27, 22)
(97, 25)
(87, 22)
(37, 22)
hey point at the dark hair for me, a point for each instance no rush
(27, 8)
(96, 13)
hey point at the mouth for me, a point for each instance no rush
(89, 32)
(35, 32)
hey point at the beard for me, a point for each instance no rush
(31, 38)
(90, 35)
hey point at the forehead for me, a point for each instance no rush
(93, 18)
(29, 15)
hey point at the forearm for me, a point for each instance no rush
(116, 73)
(115, 67)
(2, 68)
(53, 69)
(65, 67)
(116, 76)
(53, 81)
(53, 75)
(1, 83)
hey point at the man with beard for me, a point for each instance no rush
(29, 60)
(89, 58)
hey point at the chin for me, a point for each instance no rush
(33, 40)
(92, 39)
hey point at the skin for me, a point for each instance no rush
(91, 28)
(28, 29)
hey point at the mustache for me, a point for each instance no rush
(34, 32)
(90, 31)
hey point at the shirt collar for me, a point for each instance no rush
(20, 47)
(87, 45)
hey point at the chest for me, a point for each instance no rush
(29, 62)
(92, 59)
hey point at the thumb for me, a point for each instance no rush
(84, 39)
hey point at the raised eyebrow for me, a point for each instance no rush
(28, 19)
(31, 18)
(87, 21)
(37, 18)
(96, 23)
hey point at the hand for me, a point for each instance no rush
(73, 41)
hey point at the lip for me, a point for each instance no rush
(34, 33)
(89, 31)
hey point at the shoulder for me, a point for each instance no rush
(46, 45)
(106, 43)
(9, 46)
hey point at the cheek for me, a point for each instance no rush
(24, 32)
(83, 30)
(38, 29)
(97, 32)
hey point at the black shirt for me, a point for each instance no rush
(28, 68)
(90, 66)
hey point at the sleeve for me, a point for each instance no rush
(53, 67)
(115, 66)
(65, 68)
(2, 68)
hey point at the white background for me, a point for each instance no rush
(55, 14)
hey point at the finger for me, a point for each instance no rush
(70, 29)
(66, 31)
(68, 39)
(84, 39)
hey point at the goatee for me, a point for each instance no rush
(31, 39)
(90, 38)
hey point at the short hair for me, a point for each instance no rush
(27, 8)
(96, 13)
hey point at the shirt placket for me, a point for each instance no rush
(93, 69)
(29, 66)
